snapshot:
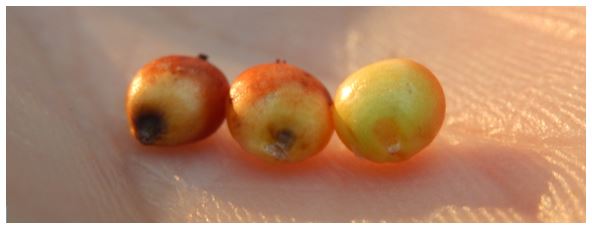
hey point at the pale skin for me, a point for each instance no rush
(511, 147)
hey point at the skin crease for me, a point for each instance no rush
(188, 93)
(511, 149)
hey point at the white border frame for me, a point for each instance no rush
(3, 208)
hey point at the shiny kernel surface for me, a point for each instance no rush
(390, 110)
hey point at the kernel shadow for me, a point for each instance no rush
(474, 175)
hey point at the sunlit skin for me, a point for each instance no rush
(390, 110)
(279, 112)
(176, 100)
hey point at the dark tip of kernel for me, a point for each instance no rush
(203, 56)
(285, 138)
(149, 127)
(280, 61)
